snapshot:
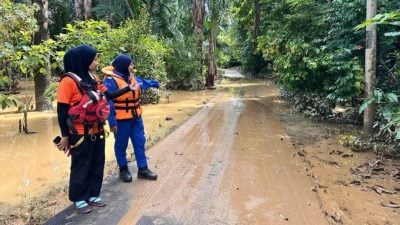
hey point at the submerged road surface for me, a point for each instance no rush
(231, 163)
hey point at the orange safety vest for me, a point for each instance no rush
(127, 106)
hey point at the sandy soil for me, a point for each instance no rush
(245, 158)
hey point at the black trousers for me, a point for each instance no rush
(87, 168)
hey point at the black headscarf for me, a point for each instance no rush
(121, 64)
(77, 60)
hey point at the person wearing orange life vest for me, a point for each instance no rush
(125, 118)
(88, 157)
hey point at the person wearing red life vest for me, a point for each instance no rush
(84, 141)
(125, 118)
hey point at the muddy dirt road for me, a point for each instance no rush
(231, 163)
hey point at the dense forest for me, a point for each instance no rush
(315, 50)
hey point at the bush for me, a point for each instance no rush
(183, 65)
(132, 38)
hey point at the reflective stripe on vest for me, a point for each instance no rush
(127, 105)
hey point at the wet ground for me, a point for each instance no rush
(33, 168)
(231, 163)
(245, 158)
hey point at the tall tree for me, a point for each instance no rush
(198, 13)
(78, 4)
(212, 40)
(370, 68)
(88, 9)
(248, 17)
(41, 77)
(215, 7)
(257, 18)
(83, 9)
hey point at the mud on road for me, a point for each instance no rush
(245, 158)
(229, 164)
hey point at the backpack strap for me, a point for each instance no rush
(82, 85)
(77, 79)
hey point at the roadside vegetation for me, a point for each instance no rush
(314, 51)
(310, 48)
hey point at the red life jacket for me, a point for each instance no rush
(92, 110)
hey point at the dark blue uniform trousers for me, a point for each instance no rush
(133, 129)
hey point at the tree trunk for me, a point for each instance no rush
(78, 9)
(212, 65)
(256, 30)
(41, 80)
(131, 13)
(198, 21)
(88, 9)
(198, 14)
(370, 68)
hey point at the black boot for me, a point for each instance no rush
(124, 174)
(146, 174)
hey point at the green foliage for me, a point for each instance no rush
(91, 32)
(350, 80)
(227, 51)
(388, 111)
(243, 29)
(312, 46)
(6, 102)
(182, 63)
(292, 45)
(115, 11)
(17, 25)
(132, 38)
(51, 91)
(392, 18)
(60, 13)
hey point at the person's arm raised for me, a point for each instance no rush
(115, 94)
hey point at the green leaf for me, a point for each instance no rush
(365, 104)
(26, 48)
(23, 68)
(392, 34)
(392, 98)
(42, 70)
(378, 96)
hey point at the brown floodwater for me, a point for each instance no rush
(30, 164)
